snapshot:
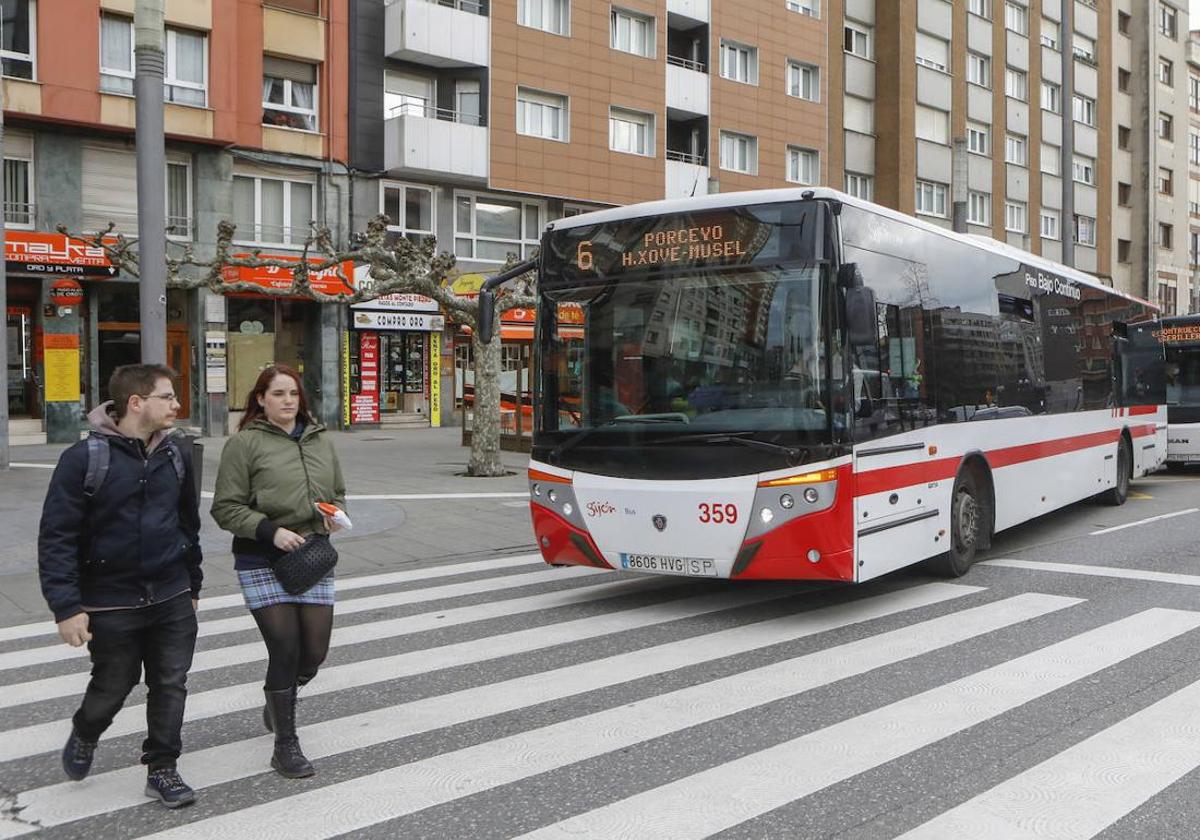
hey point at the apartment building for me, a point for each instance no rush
(478, 122)
(255, 116)
(1193, 185)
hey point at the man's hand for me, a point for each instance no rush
(74, 630)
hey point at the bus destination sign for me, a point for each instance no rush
(693, 244)
(1182, 334)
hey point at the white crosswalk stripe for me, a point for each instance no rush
(579, 679)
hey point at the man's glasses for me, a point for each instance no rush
(167, 397)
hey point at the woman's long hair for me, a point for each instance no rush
(254, 411)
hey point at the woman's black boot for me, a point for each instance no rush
(288, 760)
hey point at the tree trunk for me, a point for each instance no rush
(485, 426)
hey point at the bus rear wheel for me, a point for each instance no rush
(967, 518)
(1119, 492)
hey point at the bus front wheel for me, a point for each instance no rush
(967, 518)
(1119, 492)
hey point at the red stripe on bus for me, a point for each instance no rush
(893, 478)
(1139, 410)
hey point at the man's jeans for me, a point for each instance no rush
(162, 637)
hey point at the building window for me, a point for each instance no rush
(17, 25)
(1016, 18)
(812, 8)
(632, 33)
(1049, 33)
(552, 16)
(407, 95)
(1124, 194)
(1194, 249)
(933, 125)
(541, 114)
(860, 186)
(983, 8)
(1165, 235)
(979, 70)
(1167, 25)
(1016, 150)
(933, 52)
(409, 210)
(1051, 97)
(1193, 197)
(631, 132)
(857, 40)
(1049, 226)
(1194, 148)
(179, 199)
(289, 93)
(1167, 298)
(1124, 246)
(739, 63)
(1124, 77)
(18, 193)
(739, 152)
(858, 115)
(186, 78)
(1166, 126)
(804, 81)
(488, 229)
(1083, 109)
(1083, 170)
(1050, 159)
(803, 166)
(1124, 134)
(1166, 71)
(931, 198)
(979, 208)
(1085, 230)
(271, 211)
(1083, 48)
(979, 139)
(1166, 181)
(1194, 92)
(1016, 84)
(1014, 217)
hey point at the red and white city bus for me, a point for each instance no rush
(801, 384)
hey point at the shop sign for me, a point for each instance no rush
(435, 380)
(62, 367)
(467, 285)
(364, 406)
(35, 252)
(414, 321)
(65, 293)
(404, 301)
(325, 282)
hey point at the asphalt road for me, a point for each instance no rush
(1051, 692)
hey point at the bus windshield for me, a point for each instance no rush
(699, 373)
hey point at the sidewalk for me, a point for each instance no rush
(388, 534)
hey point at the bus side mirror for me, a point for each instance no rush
(861, 316)
(486, 315)
(1120, 329)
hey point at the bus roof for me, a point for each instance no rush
(740, 199)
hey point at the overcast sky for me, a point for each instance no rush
(1193, 12)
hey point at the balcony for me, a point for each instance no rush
(448, 33)
(687, 87)
(687, 175)
(696, 10)
(432, 142)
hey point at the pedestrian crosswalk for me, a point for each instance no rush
(506, 699)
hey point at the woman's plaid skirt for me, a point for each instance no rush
(261, 589)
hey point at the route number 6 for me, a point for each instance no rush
(583, 255)
(718, 513)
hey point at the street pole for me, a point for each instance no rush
(151, 179)
(4, 453)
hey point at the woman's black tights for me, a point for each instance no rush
(297, 637)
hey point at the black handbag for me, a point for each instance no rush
(302, 567)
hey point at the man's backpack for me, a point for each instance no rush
(99, 454)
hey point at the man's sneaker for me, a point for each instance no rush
(77, 756)
(166, 786)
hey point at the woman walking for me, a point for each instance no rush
(273, 472)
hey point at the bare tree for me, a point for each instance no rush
(395, 265)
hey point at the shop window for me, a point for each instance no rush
(17, 37)
(488, 228)
(289, 94)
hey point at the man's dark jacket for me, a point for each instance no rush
(134, 543)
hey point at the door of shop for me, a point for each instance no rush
(22, 385)
(402, 387)
(121, 344)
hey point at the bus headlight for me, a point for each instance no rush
(568, 509)
(553, 495)
(537, 489)
(811, 495)
(786, 501)
(766, 515)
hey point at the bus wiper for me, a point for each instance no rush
(579, 436)
(795, 456)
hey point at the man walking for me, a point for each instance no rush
(119, 558)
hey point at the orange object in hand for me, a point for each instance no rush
(336, 514)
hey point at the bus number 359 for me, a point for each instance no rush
(718, 514)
